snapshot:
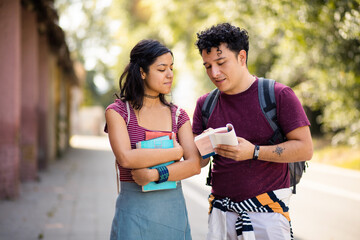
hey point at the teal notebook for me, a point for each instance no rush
(160, 142)
(157, 143)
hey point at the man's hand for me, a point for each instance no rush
(243, 151)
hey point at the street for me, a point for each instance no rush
(75, 199)
(326, 206)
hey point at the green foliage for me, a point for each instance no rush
(90, 41)
(321, 60)
(313, 46)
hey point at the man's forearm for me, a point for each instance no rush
(289, 151)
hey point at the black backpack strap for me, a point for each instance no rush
(268, 106)
(206, 110)
(209, 105)
(267, 102)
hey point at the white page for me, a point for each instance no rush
(227, 138)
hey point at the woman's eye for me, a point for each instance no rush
(208, 67)
(161, 70)
(221, 63)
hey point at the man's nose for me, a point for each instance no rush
(215, 72)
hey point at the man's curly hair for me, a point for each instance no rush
(236, 39)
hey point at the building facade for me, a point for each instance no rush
(37, 81)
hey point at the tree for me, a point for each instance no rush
(312, 46)
(90, 41)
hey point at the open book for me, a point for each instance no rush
(157, 143)
(207, 141)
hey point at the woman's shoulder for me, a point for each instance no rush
(118, 104)
(180, 114)
(120, 107)
(177, 110)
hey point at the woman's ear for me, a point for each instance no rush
(142, 73)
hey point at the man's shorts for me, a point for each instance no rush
(271, 226)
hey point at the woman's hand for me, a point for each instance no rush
(177, 146)
(143, 176)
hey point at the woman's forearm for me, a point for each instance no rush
(143, 158)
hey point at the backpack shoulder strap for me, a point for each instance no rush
(209, 105)
(206, 110)
(268, 106)
(116, 167)
(177, 114)
(128, 112)
(267, 102)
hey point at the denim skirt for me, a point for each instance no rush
(155, 215)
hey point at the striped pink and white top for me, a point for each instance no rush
(137, 133)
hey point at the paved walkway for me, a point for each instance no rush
(74, 199)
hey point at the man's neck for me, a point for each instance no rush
(245, 83)
(250, 79)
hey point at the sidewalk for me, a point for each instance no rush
(74, 198)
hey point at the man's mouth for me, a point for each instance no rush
(219, 79)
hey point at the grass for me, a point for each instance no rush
(341, 156)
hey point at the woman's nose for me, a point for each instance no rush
(170, 73)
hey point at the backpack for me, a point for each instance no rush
(267, 102)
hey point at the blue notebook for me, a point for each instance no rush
(160, 142)
(157, 143)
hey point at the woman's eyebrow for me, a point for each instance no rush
(164, 64)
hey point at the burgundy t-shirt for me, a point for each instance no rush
(240, 180)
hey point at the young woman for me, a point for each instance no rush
(143, 84)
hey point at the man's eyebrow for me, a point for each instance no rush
(220, 58)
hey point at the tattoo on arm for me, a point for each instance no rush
(279, 150)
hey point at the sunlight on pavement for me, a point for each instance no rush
(90, 142)
(325, 188)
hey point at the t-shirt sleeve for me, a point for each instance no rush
(120, 107)
(197, 126)
(291, 114)
(183, 118)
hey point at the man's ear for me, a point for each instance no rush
(242, 57)
(142, 73)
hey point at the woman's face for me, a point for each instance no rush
(160, 75)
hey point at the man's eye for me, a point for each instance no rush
(221, 63)
(208, 67)
(161, 70)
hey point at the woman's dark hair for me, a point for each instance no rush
(236, 39)
(131, 84)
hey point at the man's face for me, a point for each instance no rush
(224, 68)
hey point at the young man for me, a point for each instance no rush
(250, 181)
